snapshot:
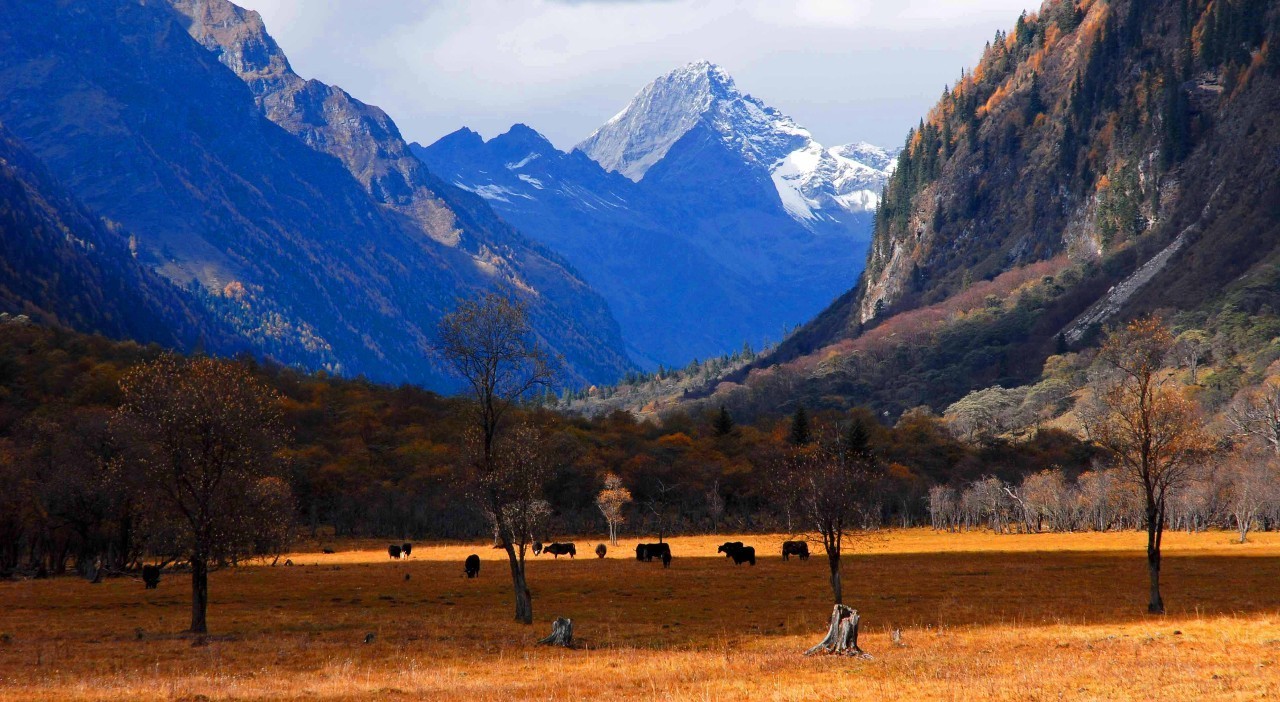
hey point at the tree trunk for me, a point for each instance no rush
(561, 633)
(199, 595)
(833, 560)
(1155, 527)
(842, 635)
(524, 600)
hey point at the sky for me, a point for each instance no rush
(848, 70)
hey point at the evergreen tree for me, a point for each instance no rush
(857, 440)
(800, 427)
(723, 423)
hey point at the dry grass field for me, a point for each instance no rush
(1025, 617)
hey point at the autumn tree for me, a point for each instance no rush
(1148, 425)
(613, 498)
(205, 435)
(490, 345)
(834, 487)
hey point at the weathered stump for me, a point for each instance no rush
(561, 633)
(842, 636)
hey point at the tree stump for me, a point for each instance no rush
(561, 633)
(842, 636)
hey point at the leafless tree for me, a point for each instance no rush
(1151, 429)
(205, 436)
(1051, 499)
(987, 500)
(658, 506)
(715, 506)
(491, 346)
(944, 508)
(1191, 346)
(835, 487)
(1252, 487)
(1256, 413)
(611, 501)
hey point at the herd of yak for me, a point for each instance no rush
(736, 550)
(739, 552)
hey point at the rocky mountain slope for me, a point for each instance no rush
(61, 265)
(710, 218)
(293, 211)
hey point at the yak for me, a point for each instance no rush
(537, 548)
(795, 548)
(472, 565)
(739, 553)
(393, 551)
(559, 549)
(728, 547)
(405, 549)
(648, 552)
(151, 576)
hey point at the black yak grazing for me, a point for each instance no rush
(739, 553)
(151, 576)
(795, 548)
(472, 565)
(559, 549)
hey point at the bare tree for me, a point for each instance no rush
(1050, 499)
(1251, 487)
(1256, 413)
(206, 435)
(944, 508)
(1191, 347)
(1152, 430)
(491, 346)
(658, 504)
(715, 506)
(611, 501)
(834, 485)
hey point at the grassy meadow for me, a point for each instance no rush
(983, 616)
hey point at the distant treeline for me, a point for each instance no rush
(371, 460)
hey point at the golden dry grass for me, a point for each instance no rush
(1054, 616)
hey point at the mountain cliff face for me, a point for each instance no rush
(61, 265)
(1103, 160)
(710, 218)
(293, 211)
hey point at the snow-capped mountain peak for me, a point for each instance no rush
(813, 183)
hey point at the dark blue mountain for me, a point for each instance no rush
(292, 211)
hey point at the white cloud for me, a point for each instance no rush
(848, 70)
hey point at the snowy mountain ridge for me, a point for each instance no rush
(813, 182)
